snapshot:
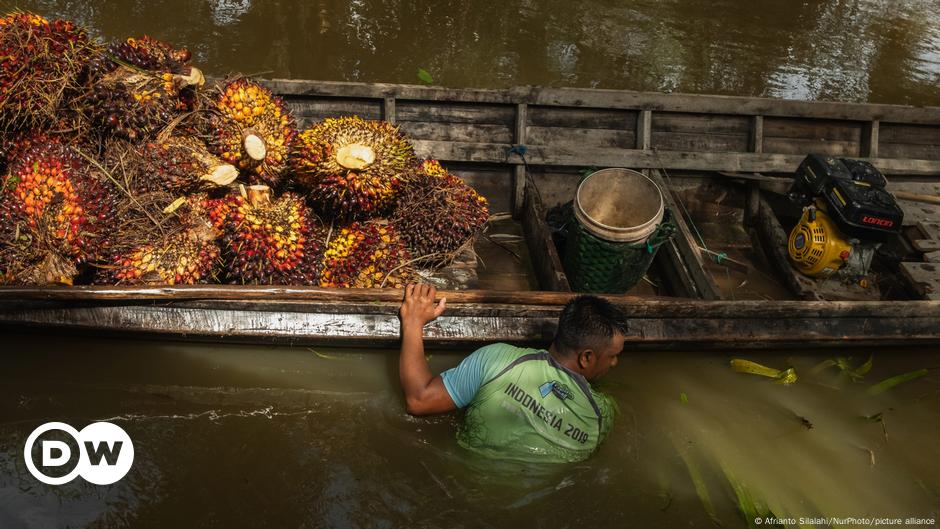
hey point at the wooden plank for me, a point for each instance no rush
(925, 277)
(823, 130)
(685, 122)
(905, 133)
(448, 112)
(272, 293)
(756, 136)
(457, 132)
(519, 176)
(582, 118)
(677, 273)
(802, 147)
(898, 150)
(931, 239)
(549, 137)
(319, 109)
(699, 142)
(636, 159)
(469, 302)
(545, 260)
(388, 110)
(687, 245)
(617, 99)
(657, 326)
(932, 257)
(644, 126)
(775, 240)
(870, 139)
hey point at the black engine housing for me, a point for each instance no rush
(854, 193)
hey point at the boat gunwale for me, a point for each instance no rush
(615, 100)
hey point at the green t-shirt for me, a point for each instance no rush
(522, 404)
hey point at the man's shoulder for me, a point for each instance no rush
(503, 352)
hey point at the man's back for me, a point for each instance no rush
(522, 404)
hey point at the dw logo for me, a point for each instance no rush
(104, 453)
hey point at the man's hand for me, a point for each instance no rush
(419, 308)
(424, 393)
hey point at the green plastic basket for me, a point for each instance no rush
(604, 267)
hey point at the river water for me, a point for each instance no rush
(885, 51)
(251, 436)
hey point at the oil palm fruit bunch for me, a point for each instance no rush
(51, 188)
(366, 255)
(438, 214)
(270, 241)
(181, 165)
(32, 254)
(40, 61)
(352, 168)
(133, 104)
(151, 54)
(252, 130)
(184, 257)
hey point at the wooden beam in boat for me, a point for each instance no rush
(617, 99)
(637, 159)
(519, 175)
(686, 244)
(656, 324)
(388, 110)
(756, 136)
(870, 133)
(271, 293)
(545, 261)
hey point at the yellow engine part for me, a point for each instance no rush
(817, 247)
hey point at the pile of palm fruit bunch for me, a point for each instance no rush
(121, 167)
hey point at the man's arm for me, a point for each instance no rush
(425, 393)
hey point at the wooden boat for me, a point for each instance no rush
(723, 281)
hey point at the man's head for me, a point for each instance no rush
(591, 333)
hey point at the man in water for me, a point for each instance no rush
(527, 404)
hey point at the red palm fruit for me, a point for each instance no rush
(352, 168)
(366, 255)
(40, 61)
(50, 187)
(271, 241)
(252, 130)
(439, 214)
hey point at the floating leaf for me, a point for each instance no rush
(425, 76)
(683, 398)
(786, 376)
(888, 383)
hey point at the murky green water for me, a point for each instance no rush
(849, 50)
(284, 437)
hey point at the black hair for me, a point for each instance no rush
(588, 322)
